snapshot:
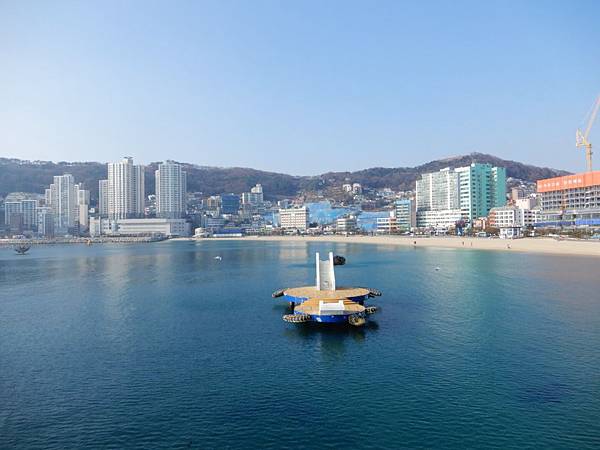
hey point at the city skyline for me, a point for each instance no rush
(331, 86)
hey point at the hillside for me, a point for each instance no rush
(35, 176)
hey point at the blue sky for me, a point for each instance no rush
(300, 87)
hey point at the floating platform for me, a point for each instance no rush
(325, 302)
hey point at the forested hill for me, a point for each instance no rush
(34, 176)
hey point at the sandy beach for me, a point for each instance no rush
(529, 245)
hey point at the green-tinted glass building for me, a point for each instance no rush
(481, 188)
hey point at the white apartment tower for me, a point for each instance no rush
(64, 204)
(125, 189)
(171, 191)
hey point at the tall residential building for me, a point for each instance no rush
(83, 205)
(465, 193)
(29, 214)
(171, 191)
(438, 191)
(63, 201)
(12, 209)
(125, 189)
(103, 198)
(482, 187)
(45, 221)
(437, 199)
(47, 196)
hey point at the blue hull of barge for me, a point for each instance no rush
(330, 319)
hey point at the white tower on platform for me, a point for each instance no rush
(325, 274)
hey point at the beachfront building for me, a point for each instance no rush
(346, 224)
(437, 199)
(64, 203)
(139, 227)
(481, 188)
(466, 193)
(387, 225)
(512, 220)
(406, 218)
(171, 191)
(570, 201)
(125, 189)
(294, 219)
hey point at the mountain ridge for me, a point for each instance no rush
(34, 176)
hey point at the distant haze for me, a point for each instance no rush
(297, 87)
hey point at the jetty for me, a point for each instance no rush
(325, 302)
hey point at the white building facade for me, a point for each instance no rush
(171, 190)
(125, 190)
(64, 203)
(294, 219)
(139, 227)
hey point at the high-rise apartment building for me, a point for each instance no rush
(465, 193)
(103, 198)
(171, 190)
(45, 221)
(28, 208)
(482, 187)
(64, 204)
(125, 189)
(12, 209)
(438, 191)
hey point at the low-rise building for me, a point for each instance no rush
(442, 219)
(509, 218)
(294, 219)
(139, 227)
(346, 224)
(387, 225)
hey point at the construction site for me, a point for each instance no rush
(573, 201)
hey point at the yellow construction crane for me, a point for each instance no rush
(582, 137)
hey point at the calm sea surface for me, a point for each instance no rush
(162, 346)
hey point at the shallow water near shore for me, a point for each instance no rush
(162, 346)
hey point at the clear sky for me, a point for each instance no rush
(300, 87)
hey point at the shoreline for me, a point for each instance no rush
(525, 245)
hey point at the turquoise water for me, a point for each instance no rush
(162, 346)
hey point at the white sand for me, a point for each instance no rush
(530, 245)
